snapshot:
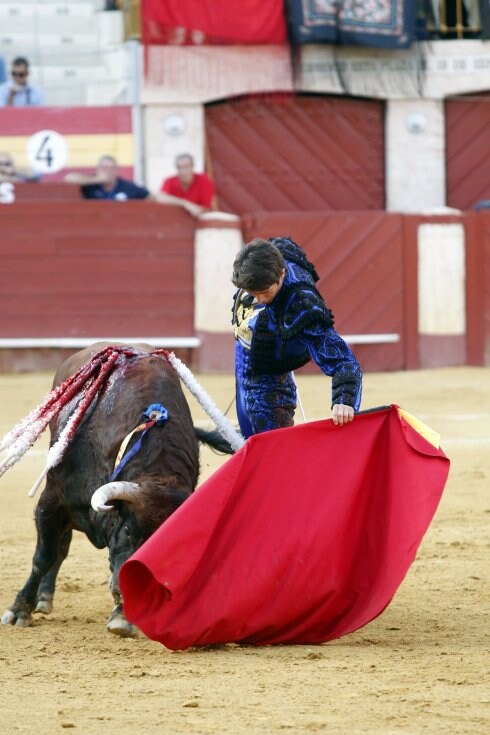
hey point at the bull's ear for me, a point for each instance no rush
(113, 491)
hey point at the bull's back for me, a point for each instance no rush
(73, 363)
(138, 380)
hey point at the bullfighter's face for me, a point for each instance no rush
(269, 294)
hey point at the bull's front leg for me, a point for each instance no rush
(51, 538)
(117, 622)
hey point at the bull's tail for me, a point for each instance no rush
(215, 440)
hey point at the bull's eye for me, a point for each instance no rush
(127, 531)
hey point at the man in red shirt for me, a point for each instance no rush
(194, 192)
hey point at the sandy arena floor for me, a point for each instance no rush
(421, 667)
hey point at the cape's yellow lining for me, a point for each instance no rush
(429, 434)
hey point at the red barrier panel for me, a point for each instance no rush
(478, 287)
(79, 270)
(95, 269)
(46, 192)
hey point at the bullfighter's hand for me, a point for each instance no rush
(342, 414)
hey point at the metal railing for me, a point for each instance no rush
(450, 19)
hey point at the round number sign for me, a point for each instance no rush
(47, 151)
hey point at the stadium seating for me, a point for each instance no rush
(75, 48)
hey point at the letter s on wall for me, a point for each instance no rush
(7, 192)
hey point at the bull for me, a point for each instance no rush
(118, 514)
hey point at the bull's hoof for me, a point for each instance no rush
(19, 620)
(44, 606)
(118, 625)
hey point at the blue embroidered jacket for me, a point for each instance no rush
(281, 336)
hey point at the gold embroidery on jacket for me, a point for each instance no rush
(242, 330)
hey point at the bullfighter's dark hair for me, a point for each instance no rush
(258, 266)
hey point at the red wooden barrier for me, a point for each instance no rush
(478, 287)
(46, 192)
(79, 270)
(94, 269)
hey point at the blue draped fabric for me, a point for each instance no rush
(379, 23)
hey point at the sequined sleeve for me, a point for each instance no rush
(335, 358)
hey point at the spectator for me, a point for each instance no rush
(18, 92)
(106, 184)
(10, 172)
(194, 192)
(3, 70)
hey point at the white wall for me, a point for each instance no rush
(430, 70)
(168, 131)
(415, 155)
(215, 249)
(441, 280)
(183, 74)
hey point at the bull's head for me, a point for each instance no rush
(139, 509)
(121, 500)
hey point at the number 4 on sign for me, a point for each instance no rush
(47, 151)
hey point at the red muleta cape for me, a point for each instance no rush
(301, 537)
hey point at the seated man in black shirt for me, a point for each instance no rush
(105, 184)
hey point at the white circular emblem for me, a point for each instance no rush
(47, 151)
(174, 125)
(416, 122)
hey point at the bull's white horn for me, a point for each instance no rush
(113, 491)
